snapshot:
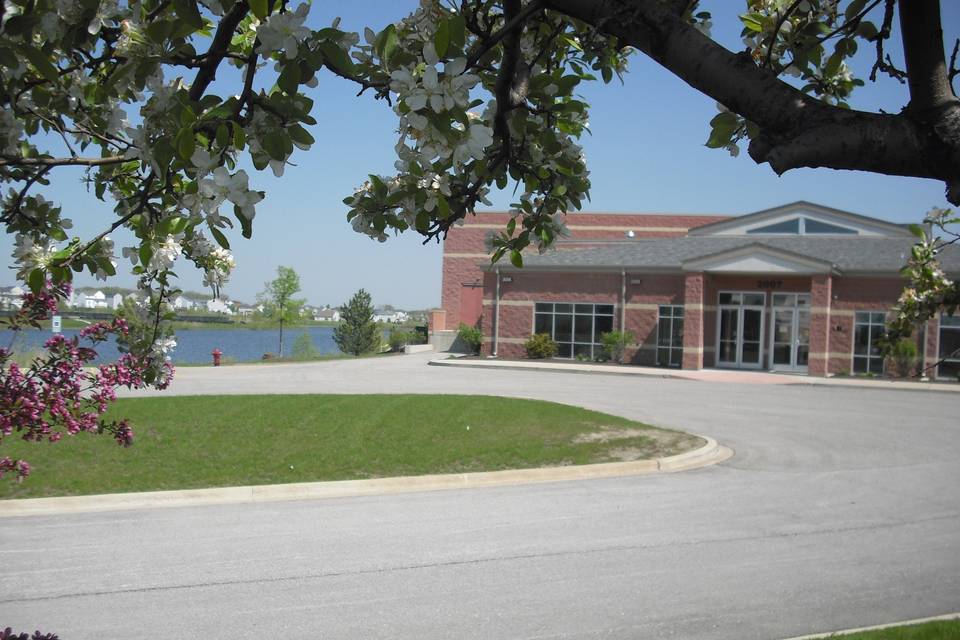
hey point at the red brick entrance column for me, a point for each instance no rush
(821, 296)
(693, 292)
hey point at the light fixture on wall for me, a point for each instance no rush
(636, 281)
(630, 234)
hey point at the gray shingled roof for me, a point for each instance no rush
(846, 254)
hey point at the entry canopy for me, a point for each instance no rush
(758, 258)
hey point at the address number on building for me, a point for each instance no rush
(769, 284)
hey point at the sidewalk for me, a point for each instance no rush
(702, 375)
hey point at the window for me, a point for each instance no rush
(787, 226)
(815, 226)
(670, 336)
(949, 353)
(576, 328)
(869, 326)
(804, 226)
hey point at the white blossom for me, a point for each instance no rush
(283, 31)
(165, 254)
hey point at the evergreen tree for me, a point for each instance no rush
(357, 333)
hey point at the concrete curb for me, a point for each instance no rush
(709, 454)
(646, 372)
(846, 632)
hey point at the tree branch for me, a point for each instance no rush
(797, 130)
(776, 30)
(60, 162)
(512, 22)
(218, 49)
(923, 50)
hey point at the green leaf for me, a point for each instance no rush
(379, 188)
(299, 134)
(833, 65)
(336, 57)
(572, 43)
(159, 31)
(246, 225)
(511, 226)
(146, 254)
(289, 79)
(8, 58)
(36, 279)
(21, 24)
(106, 266)
(855, 7)
(723, 126)
(423, 221)
(273, 144)
(458, 32)
(441, 39)
(516, 259)
(219, 237)
(239, 137)
(259, 8)
(222, 136)
(185, 143)
(918, 231)
(867, 30)
(188, 12)
(443, 207)
(40, 62)
(387, 43)
(752, 21)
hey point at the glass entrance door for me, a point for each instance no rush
(790, 332)
(740, 330)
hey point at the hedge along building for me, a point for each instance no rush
(800, 288)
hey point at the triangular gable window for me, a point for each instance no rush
(816, 226)
(787, 226)
(803, 226)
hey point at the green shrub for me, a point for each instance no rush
(541, 345)
(471, 337)
(903, 357)
(615, 344)
(398, 339)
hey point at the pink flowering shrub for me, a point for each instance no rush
(60, 392)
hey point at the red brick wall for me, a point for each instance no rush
(465, 251)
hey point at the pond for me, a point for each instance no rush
(194, 345)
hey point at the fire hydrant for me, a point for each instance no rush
(216, 353)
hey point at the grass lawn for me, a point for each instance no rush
(209, 441)
(938, 630)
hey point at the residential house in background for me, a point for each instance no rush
(390, 315)
(181, 303)
(326, 315)
(216, 305)
(11, 297)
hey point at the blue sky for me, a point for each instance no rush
(646, 154)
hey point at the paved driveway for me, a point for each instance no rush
(840, 509)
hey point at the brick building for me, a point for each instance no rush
(800, 288)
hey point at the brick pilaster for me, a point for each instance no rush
(821, 298)
(693, 302)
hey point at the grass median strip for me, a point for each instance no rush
(936, 630)
(215, 441)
